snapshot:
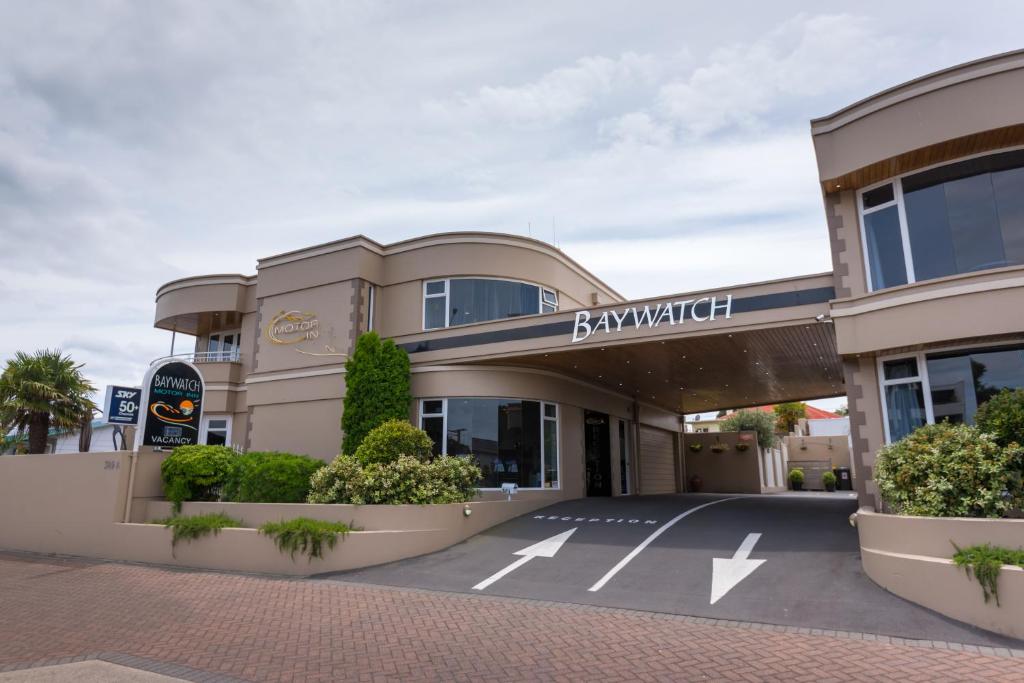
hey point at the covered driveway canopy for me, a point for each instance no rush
(740, 346)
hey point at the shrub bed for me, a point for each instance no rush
(405, 481)
(392, 440)
(946, 470)
(195, 473)
(269, 477)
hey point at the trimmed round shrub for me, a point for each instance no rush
(796, 476)
(195, 473)
(269, 477)
(340, 481)
(1002, 416)
(406, 480)
(388, 442)
(946, 470)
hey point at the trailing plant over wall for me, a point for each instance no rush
(305, 535)
(189, 528)
(195, 473)
(985, 562)
(376, 388)
(752, 421)
(946, 470)
(393, 439)
(269, 477)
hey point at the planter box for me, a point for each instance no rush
(910, 556)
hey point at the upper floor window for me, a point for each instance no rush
(958, 218)
(223, 346)
(460, 301)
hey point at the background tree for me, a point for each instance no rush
(842, 410)
(787, 414)
(752, 420)
(376, 388)
(43, 390)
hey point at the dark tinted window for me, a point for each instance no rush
(878, 196)
(966, 217)
(900, 369)
(472, 300)
(503, 434)
(433, 312)
(959, 384)
(434, 427)
(885, 248)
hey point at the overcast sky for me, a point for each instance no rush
(666, 144)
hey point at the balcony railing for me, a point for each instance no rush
(223, 356)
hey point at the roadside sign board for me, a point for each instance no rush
(172, 400)
(121, 405)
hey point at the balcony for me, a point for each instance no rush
(200, 357)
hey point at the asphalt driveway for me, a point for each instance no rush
(770, 559)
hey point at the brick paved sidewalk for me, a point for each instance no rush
(210, 626)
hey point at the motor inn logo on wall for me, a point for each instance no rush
(301, 330)
(672, 313)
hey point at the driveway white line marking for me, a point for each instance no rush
(546, 548)
(647, 541)
(726, 573)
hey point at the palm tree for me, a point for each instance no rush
(43, 390)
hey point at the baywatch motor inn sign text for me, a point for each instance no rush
(173, 404)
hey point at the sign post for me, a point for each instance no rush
(172, 404)
(121, 405)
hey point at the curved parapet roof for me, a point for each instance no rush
(966, 109)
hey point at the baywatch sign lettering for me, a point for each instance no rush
(669, 313)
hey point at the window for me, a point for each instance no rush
(215, 430)
(461, 301)
(948, 385)
(903, 396)
(957, 218)
(223, 346)
(513, 441)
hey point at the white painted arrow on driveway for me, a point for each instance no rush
(725, 574)
(546, 548)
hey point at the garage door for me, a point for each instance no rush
(657, 461)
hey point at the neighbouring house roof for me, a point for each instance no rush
(812, 413)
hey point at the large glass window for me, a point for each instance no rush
(946, 386)
(513, 441)
(463, 301)
(958, 218)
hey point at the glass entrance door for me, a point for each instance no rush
(597, 453)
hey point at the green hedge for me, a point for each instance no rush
(195, 473)
(376, 388)
(946, 470)
(269, 477)
(406, 480)
(391, 440)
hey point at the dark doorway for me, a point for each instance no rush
(598, 455)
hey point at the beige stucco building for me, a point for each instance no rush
(555, 382)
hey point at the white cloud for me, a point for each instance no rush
(141, 142)
(804, 57)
